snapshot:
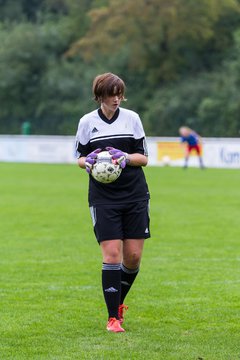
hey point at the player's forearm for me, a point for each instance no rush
(137, 159)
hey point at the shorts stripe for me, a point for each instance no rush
(93, 213)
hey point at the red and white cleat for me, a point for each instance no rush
(114, 325)
(121, 310)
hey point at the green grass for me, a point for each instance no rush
(185, 302)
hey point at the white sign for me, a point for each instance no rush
(219, 153)
(37, 149)
(222, 154)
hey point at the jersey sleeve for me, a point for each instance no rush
(138, 128)
(140, 146)
(82, 139)
(140, 143)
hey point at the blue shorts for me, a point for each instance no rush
(128, 221)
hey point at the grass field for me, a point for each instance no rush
(185, 303)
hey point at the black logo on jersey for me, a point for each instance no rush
(94, 130)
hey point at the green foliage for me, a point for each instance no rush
(23, 63)
(35, 81)
(167, 38)
(185, 301)
(179, 60)
(208, 102)
(219, 112)
(65, 82)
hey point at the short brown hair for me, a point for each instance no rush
(108, 84)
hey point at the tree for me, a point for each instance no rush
(219, 112)
(176, 57)
(209, 102)
(163, 39)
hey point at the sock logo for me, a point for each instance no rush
(111, 289)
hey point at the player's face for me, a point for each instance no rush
(111, 103)
(184, 132)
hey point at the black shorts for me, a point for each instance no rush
(129, 221)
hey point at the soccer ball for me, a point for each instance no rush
(166, 160)
(105, 170)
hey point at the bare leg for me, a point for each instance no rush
(132, 253)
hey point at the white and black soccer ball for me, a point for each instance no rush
(166, 160)
(105, 170)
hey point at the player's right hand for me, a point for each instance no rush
(91, 160)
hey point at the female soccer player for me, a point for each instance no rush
(119, 210)
(192, 140)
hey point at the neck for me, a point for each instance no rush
(108, 113)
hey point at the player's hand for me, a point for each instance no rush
(91, 160)
(118, 155)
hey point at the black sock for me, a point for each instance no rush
(127, 278)
(111, 284)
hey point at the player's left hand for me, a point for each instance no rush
(118, 155)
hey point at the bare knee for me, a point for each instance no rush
(112, 251)
(132, 261)
(112, 257)
(132, 252)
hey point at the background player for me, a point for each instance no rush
(193, 142)
(119, 210)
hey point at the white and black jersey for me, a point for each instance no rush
(125, 132)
